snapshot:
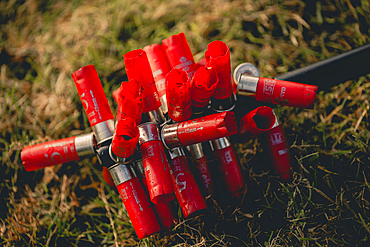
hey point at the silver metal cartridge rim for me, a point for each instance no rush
(115, 158)
(156, 116)
(164, 104)
(217, 103)
(220, 143)
(176, 152)
(148, 132)
(121, 173)
(85, 145)
(245, 68)
(196, 150)
(103, 131)
(170, 137)
(247, 84)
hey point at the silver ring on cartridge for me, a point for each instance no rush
(148, 132)
(196, 150)
(169, 136)
(220, 143)
(121, 173)
(245, 69)
(85, 145)
(176, 152)
(103, 131)
(118, 160)
(156, 116)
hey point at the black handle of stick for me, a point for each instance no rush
(332, 71)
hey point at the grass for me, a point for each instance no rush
(43, 42)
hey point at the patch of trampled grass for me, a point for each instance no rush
(42, 43)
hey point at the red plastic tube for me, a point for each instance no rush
(256, 122)
(137, 67)
(139, 208)
(286, 93)
(178, 95)
(107, 177)
(59, 151)
(186, 188)
(166, 212)
(155, 164)
(199, 130)
(159, 65)
(278, 150)
(179, 54)
(92, 95)
(203, 85)
(115, 94)
(229, 167)
(125, 138)
(217, 56)
(49, 154)
(204, 174)
(201, 169)
(130, 99)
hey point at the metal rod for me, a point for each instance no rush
(332, 71)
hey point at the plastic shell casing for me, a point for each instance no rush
(218, 57)
(201, 170)
(166, 212)
(57, 152)
(92, 95)
(138, 208)
(203, 85)
(179, 54)
(160, 68)
(229, 167)
(178, 95)
(137, 67)
(94, 101)
(186, 188)
(199, 130)
(256, 122)
(278, 150)
(286, 93)
(125, 138)
(155, 164)
(130, 100)
(205, 175)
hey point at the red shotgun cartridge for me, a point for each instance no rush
(95, 102)
(160, 68)
(277, 91)
(137, 67)
(178, 95)
(59, 151)
(107, 177)
(228, 166)
(256, 122)
(166, 212)
(199, 130)
(125, 138)
(137, 204)
(155, 164)
(278, 150)
(179, 54)
(217, 56)
(129, 100)
(203, 85)
(202, 171)
(186, 188)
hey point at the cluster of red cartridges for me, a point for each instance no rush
(174, 116)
